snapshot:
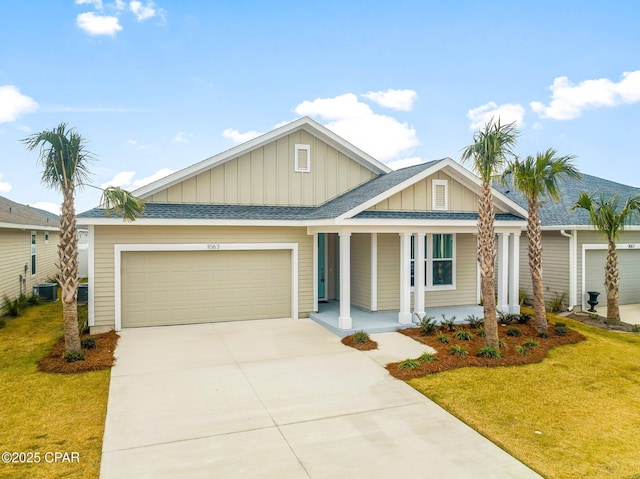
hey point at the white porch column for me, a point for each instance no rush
(418, 274)
(374, 272)
(344, 320)
(404, 316)
(514, 273)
(503, 272)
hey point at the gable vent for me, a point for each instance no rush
(303, 158)
(440, 198)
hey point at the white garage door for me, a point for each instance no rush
(629, 264)
(185, 287)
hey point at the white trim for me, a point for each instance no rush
(404, 315)
(430, 259)
(514, 273)
(583, 227)
(315, 272)
(434, 185)
(344, 320)
(92, 275)
(33, 257)
(15, 226)
(503, 272)
(573, 267)
(296, 151)
(374, 271)
(419, 260)
(46, 237)
(120, 248)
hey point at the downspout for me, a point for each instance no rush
(573, 271)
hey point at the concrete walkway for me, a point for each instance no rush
(277, 399)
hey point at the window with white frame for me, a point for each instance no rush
(302, 158)
(46, 237)
(439, 261)
(440, 194)
(33, 252)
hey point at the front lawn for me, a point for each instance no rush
(576, 414)
(47, 413)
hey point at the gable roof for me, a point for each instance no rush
(14, 215)
(558, 214)
(304, 123)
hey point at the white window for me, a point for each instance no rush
(46, 237)
(440, 194)
(33, 252)
(303, 158)
(439, 261)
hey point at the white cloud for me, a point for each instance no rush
(125, 179)
(13, 104)
(568, 101)
(395, 99)
(98, 24)
(5, 186)
(132, 142)
(405, 162)
(507, 113)
(381, 136)
(182, 137)
(47, 206)
(144, 12)
(237, 137)
(97, 4)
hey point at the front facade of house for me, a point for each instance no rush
(276, 226)
(574, 253)
(28, 248)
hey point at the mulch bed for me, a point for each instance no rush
(510, 357)
(601, 322)
(94, 359)
(366, 346)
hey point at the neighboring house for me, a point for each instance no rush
(276, 226)
(574, 253)
(28, 247)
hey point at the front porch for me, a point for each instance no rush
(382, 321)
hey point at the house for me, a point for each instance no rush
(277, 226)
(574, 253)
(28, 247)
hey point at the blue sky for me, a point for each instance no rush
(157, 86)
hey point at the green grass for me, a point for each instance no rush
(583, 399)
(47, 412)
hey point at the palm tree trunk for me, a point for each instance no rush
(612, 283)
(535, 265)
(487, 258)
(68, 254)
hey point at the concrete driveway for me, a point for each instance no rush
(277, 399)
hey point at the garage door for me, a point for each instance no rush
(629, 265)
(186, 287)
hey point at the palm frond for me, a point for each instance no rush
(121, 202)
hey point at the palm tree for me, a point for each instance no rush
(488, 153)
(537, 178)
(65, 161)
(606, 216)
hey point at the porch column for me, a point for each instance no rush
(374, 272)
(503, 272)
(404, 316)
(514, 273)
(418, 274)
(344, 320)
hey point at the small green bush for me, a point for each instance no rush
(33, 299)
(481, 333)
(506, 318)
(513, 332)
(427, 357)
(83, 319)
(635, 328)
(489, 352)
(530, 343)
(449, 323)
(474, 321)
(463, 335)
(443, 339)
(561, 329)
(459, 351)
(501, 343)
(524, 318)
(361, 337)
(73, 356)
(428, 325)
(594, 316)
(522, 349)
(542, 334)
(11, 307)
(88, 343)
(556, 305)
(409, 364)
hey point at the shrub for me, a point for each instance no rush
(635, 328)
(83, 318)
(594, 316)
(489, 352)
(530, 343)
(428, 325)
(561, 329)
(506, 318)
(524, 318)
(501, 343)
(361, 337)
(459, 351)
(521, 349)
(73, 356)
(450, 323)
(443, 339)
(427, 357)
(33, 299)
(409, 364)
(513, 332)
(11, 307)
(474, 321)
(88, 343)
(522, 296)
(542, 334)
(463, 335)
(481, 333)
(556, 305)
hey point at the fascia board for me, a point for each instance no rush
(16, 226)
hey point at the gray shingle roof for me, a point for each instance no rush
(557, 213)
(19, 214)
(433, 215)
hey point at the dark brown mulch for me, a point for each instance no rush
(94, 359)
(510, 356)
(601, 322)
(366, 346)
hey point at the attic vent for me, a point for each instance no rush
(440, 194)
(303, 158)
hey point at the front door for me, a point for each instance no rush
(322, 267)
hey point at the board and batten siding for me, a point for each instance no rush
(267, 176)
(107, 236)
(15, 252)
(361, 270)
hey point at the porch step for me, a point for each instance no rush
(394, 347)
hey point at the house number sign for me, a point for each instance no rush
(213, 246)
